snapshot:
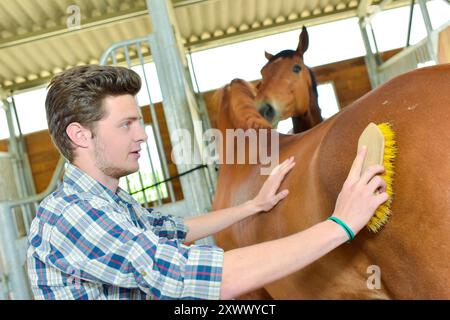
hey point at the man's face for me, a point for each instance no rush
(118, 136)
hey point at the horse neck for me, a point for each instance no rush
(312, 118)
(258, 148)
(225, 123)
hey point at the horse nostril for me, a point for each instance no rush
(267, 111)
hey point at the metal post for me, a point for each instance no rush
(178, 103)
(170, 68)
(13, 148)
(429, 27)
(28, 176)
(12, 262)
(25, 172)
(17, 162)
(370, 59)
(3, 285)
(411, 15)
(426, 16)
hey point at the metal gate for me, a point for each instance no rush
(409, 58)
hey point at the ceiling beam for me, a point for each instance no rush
(113, 16)
(182, 3)
(63, 30)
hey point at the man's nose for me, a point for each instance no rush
(142, 135)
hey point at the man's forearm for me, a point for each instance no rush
(249, 268)
(215, 221)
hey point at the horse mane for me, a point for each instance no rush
(313, 82)
(245, 89)
(237, 101)
(283, 54)
(313, 116)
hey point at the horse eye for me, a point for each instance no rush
(296, 68)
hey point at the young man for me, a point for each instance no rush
(92, 240)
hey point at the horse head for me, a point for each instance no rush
(288, 88)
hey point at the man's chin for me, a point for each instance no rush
(130, 170)
(120, 172)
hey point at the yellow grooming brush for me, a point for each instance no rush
(381, 149)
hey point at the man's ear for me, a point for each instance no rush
(78, 134)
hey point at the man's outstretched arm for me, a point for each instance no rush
(249, 268)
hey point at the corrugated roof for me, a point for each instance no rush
(38, 40)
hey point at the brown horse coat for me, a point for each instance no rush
(412, 251)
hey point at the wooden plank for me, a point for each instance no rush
(444, 46)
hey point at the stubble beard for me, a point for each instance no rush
(103, 164)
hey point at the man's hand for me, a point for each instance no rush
(208, 224)
(361, 194)
(268, 197)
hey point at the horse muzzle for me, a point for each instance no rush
(268, 112)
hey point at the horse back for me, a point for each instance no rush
(413, 249)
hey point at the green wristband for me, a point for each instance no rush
(344, 226)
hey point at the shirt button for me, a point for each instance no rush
(143, 273)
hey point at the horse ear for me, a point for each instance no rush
(268, 55)
(303, 42)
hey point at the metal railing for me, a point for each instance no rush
(409, 58)
(13, 242)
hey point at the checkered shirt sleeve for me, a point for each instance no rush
(97, 243)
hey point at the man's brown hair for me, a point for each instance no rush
(76, 95)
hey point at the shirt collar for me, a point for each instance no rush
(82, 182)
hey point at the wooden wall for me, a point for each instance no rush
(444, 46)
(350, 79)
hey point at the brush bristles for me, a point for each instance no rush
(383, 212)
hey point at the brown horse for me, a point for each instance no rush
(288, 88)
(410, 256)
(287, 71)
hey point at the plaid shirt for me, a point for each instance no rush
(88, 243)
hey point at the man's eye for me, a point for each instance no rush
(126, 125)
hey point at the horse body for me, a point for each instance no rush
(412, 251)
